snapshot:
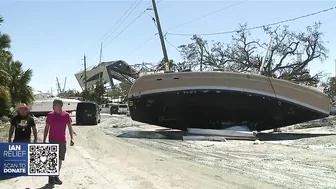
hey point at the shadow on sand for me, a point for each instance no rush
(47, 186)
(7, 177)
(84, 125)
(288, 136)
(177, 135)
(157, 134)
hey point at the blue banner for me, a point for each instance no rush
(23, 159)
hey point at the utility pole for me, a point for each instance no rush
(163, 45)
(335, 68)
(101, 52)
(264, 59)
(100, 60)
(85, 84)
(201, 65)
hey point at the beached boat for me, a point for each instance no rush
(43, 104)
(215, 100)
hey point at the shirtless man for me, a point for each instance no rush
(56, 124)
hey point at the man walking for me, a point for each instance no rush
(22, 124)
(56, 124)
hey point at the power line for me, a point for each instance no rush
(92, 55)
(120, 24)
(149, 8)
(199, 18)
(99, 41)
(143, 44)
(124, 29)
(149, 15)
(257, 27)
(153, 19)
(169, 43)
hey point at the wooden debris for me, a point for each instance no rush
(209, 138)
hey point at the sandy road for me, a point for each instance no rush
(101, 161)
(284, 160)
(121, 153)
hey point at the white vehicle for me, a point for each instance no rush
(105, 108)
(122, 109)
(43, 104)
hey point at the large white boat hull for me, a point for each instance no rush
(215, 100)
(43, 107)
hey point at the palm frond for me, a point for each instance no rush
(4, 93)
(5, 41)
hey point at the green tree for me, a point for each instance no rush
(288, 57)
(4, 76)
(195, 53)
(125, 87)
(330, 87)
(4, 79)
(87, 95)
(198, 55)
(18, 85)
(99, 91)
(162, 66)
(14, 80)
(115, 92)
(70, 93)
(96, 94)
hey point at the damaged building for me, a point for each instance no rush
(107, 71)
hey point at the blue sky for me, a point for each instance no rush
(51, 37)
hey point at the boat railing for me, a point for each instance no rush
(43, 96)
(147, 73)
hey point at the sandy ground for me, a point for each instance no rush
(120, 153)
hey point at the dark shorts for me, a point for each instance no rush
(21, 140)
(61, 147)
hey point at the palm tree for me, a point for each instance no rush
(14, 80)
(18, 83)
(4, 39)
(4, 55)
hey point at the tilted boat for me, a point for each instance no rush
(214, 99)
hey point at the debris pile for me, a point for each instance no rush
(4, 121)
(325, 122)
(235, 132)
(39, 120)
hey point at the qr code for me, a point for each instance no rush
(43, 159)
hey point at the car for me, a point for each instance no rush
(88, 113)
(122, 109)
(114, 109)
(105, 108)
